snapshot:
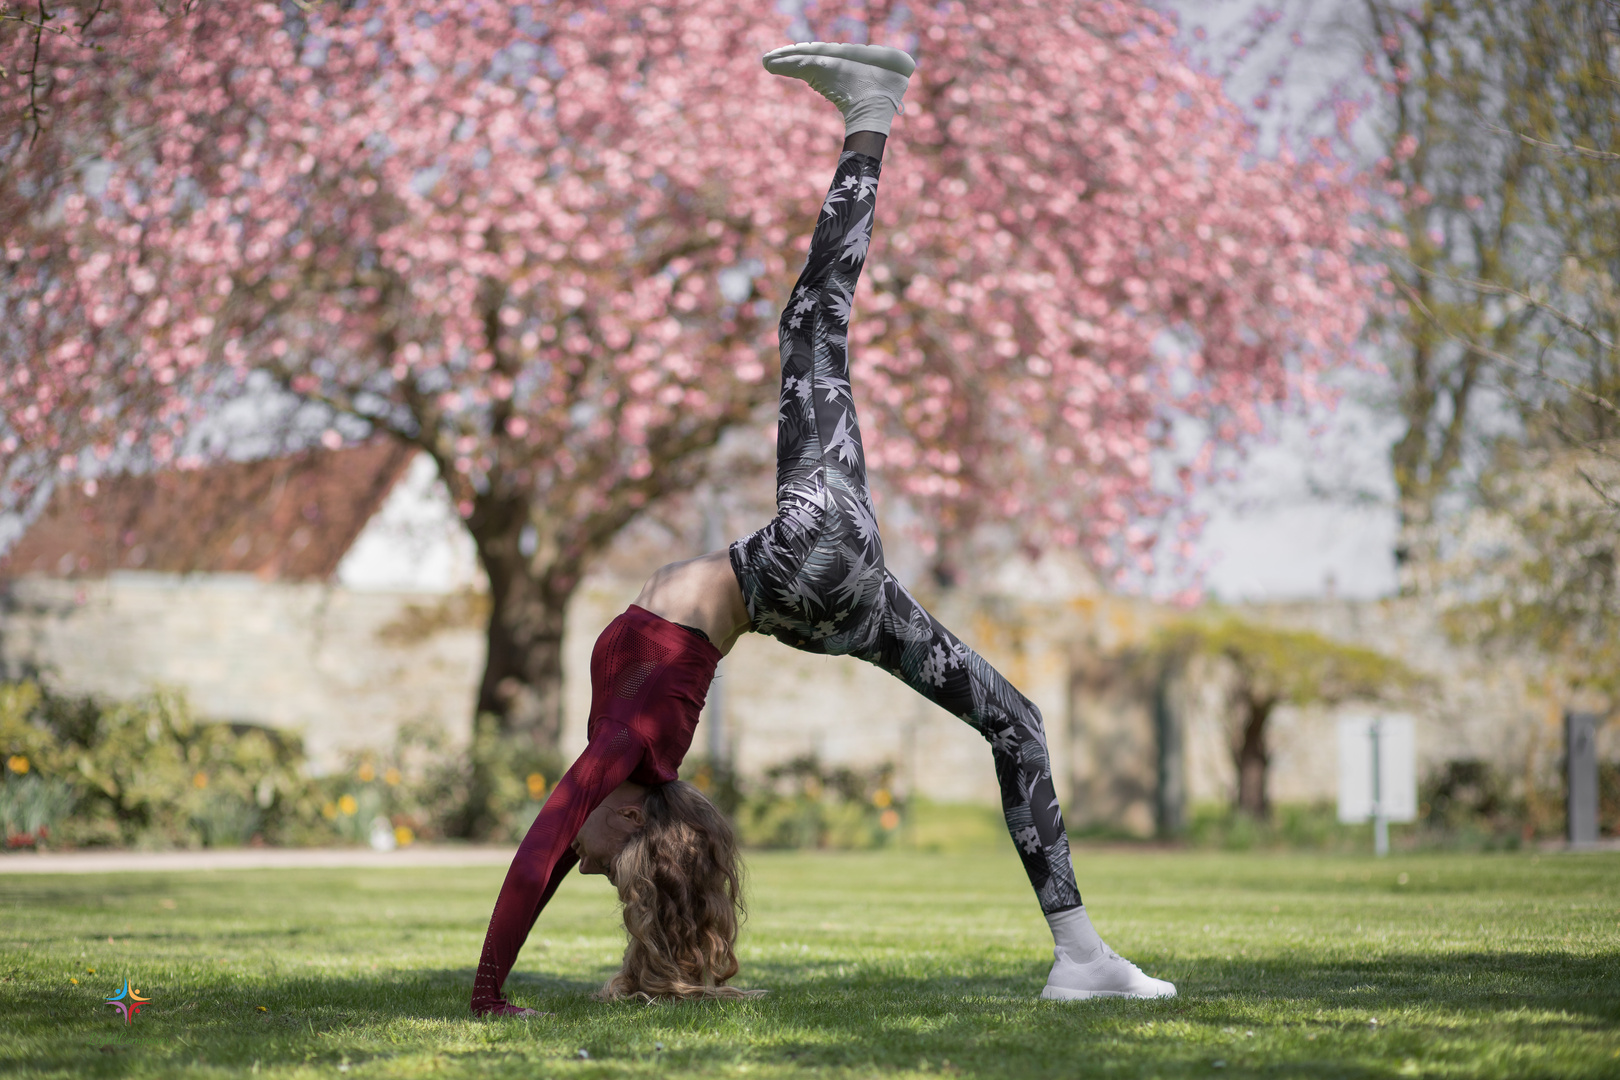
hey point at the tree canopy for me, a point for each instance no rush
(1270, 666)
(545, 244)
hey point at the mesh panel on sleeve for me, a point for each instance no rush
(632, 657)
(617, 747)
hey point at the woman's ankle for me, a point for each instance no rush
(869, 143)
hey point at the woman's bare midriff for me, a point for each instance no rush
(700, 592)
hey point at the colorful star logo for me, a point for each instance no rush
(128, 1002)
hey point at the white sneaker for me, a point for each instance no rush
(1110, 975)
(866, 82)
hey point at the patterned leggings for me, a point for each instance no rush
(814, 577)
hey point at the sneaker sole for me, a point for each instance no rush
(1058, 993)
(876, 55)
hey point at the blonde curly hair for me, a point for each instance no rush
(680, 883)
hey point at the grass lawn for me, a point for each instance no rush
(887, 964)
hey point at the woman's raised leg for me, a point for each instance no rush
(812, 576)
(815, 576)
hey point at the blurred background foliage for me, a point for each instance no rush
(145, 773)
(803, 803)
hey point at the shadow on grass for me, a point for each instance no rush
(1313, 1019)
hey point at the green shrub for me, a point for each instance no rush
(1469, 804)
(31, 806)
(1466, 793)
(78, 771)
(143, 773)
(802, 804)
(495, 789)
(146, 773)
(225, 821)
(1292, 827)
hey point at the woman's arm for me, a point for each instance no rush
(545, 857)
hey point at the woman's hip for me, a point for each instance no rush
(813, 576)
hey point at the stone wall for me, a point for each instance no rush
(1497, 706)
(346, 668)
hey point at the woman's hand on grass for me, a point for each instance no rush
(505, 1008)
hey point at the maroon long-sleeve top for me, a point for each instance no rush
(649, 678)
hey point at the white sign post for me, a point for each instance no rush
(1377, 773)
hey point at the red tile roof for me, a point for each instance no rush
(287, 519)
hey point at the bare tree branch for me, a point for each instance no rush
(1578, 151)
(1496, 289)
(1507, 361)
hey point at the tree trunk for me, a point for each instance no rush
(518, 724)
(529, 590)
(1252, 758)
(1170, 802)
(1416, 546)
(522, 683)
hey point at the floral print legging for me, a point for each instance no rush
(814, 577)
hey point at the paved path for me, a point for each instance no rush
(100, 862)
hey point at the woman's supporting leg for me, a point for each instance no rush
(916, 648)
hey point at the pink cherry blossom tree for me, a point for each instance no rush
(545, 244)
(1072, 200)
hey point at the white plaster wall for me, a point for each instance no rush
(415, 543)
(308, 658)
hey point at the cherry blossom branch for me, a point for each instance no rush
(1065, 192)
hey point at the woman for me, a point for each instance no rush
(813, 578)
